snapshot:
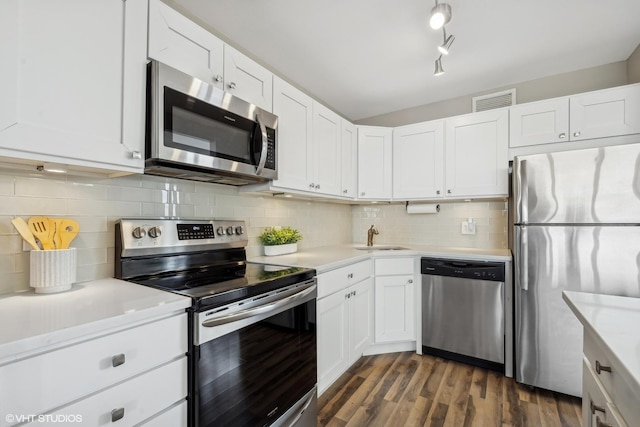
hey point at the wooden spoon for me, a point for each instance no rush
(68, 230)
(56, 225)
(25, 232)
(40, 227)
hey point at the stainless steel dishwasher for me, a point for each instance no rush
(463, 316)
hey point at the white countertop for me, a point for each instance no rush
(328, 258)
(613, 321)
(30, 321)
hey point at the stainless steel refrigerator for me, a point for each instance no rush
(576, 227)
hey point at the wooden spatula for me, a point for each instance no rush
(56, 224)
(67, 230)
(25, 232)
(40, 227)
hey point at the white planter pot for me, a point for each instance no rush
(281, 249)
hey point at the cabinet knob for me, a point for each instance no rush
(595, 408)
(438, 192)
(562, 135)
(312, 185)
(576, 134)
(117, 360)
(232, 85)
(345, 191)
(117, 414)
(317, 186)
(410, 281)
(218, 78)
(350, 276)
(600, 423)
(602, 368)
(354, 293)
(136, 155)
(348, 295)
(448, 191)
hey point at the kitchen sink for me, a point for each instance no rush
(380, 248)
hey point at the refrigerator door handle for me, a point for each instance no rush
(522, 265)
(521, 191)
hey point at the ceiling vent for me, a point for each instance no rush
(492, 101)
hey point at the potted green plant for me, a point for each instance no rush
(280, 240)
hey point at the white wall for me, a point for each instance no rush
(441, 229)
(633, 66)
(97, 203)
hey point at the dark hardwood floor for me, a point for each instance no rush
(407, 389)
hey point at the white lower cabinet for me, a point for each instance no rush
(128, 375)
(345, 324)
(607, 397)
(394, 300)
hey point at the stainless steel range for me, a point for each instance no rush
(252, 358)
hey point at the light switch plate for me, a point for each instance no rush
(468, 227)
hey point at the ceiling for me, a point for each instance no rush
(364, 58)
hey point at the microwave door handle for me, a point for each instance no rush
(265, 145)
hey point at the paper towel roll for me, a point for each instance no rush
(423, 208)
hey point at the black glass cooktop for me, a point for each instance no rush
(212, 287)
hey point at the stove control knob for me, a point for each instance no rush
(220, 231)
(155, 232)
(230, 231)
(138, 233)
(239, 230)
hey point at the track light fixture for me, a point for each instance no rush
(440, 15)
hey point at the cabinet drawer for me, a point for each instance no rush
(614, 382)
(38, 384)
(175, 416)
(341, 278)
(390, 266)
(136, 399)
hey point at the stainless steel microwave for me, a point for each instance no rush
(196, 131)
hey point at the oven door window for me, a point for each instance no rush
(198, 127)
(250, 377)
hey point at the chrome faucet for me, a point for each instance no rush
(370, 234)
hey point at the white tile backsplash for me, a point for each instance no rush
(96, 204)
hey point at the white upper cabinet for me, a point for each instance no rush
(349, 160)
(609, 112)
(247, 79)
(543, 122)
(295, 117)
(327, 150)
(374, 162)
(418, 161)
(476, 154)
(73, 82)
(180, 43)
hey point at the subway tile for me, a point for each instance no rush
(7, 185)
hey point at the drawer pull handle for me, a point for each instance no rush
(117, 414)
(118, 360)
(602, 368)
(600, 423)
(595, 408)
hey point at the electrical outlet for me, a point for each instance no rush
(468, 226)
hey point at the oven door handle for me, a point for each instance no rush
(262, 309)
(265, 146)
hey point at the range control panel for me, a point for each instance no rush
(140, 236)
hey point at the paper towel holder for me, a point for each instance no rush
(406, 207)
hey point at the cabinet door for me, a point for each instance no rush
(603, 113)
(333, 340)
(327, 148)
(247, 79)
(542, 122)
(360, 318)
(374, 162)
(394, 309)
(73, 88)
(294, 111)
(182, 44)
(418, 161)
(349, 160)
(476, 154)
